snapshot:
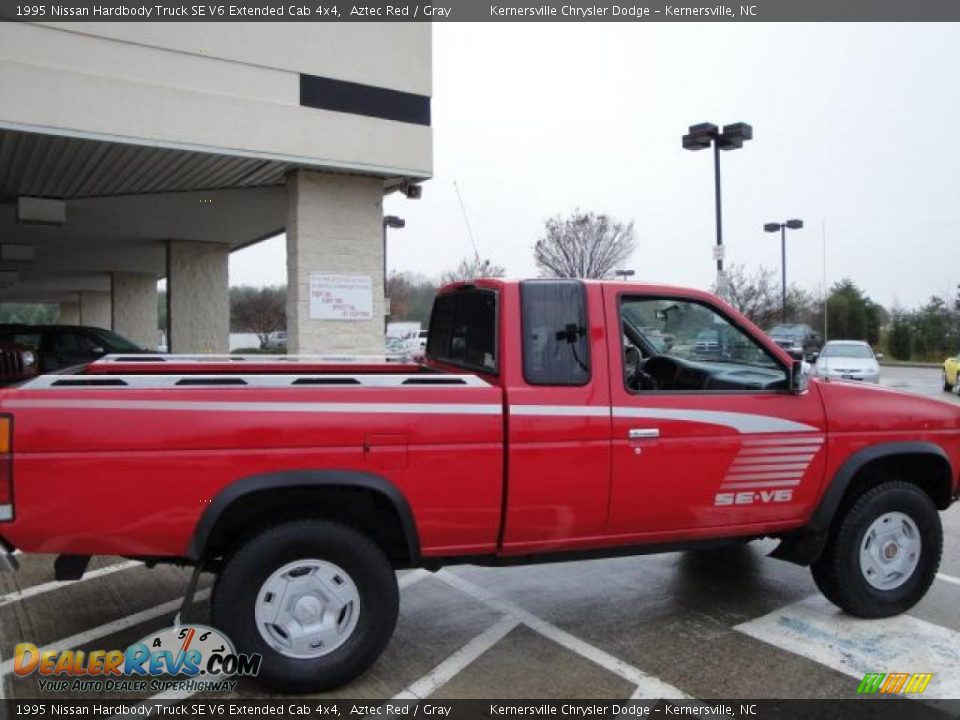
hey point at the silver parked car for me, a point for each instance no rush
(848, 360)
(276, 341)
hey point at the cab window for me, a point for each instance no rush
(555, 347)
(677, 345)
(463, 330)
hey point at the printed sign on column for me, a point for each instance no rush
(341, 297)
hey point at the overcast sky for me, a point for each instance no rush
(853, 129)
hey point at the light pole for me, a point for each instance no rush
(782, 227)
(700, 137)
(389, 221)
(624, 273)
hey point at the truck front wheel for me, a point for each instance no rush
(318, 600)
(883, 553)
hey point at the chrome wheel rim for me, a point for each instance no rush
(307, 608)
(890, 551)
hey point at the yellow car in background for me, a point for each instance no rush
(950, 368)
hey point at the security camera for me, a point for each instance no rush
(411, 190)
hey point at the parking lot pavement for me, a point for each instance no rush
(706, 624)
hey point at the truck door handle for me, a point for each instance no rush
(643, 433)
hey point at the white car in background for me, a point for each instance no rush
(415, 344)
(848, 360)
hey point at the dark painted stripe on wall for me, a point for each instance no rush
(349, 97)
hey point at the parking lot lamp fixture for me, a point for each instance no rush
(732, 137)
(773, 227)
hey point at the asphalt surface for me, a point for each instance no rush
(720, 624)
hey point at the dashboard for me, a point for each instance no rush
(666, 372)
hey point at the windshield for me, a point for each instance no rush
(848, 350)
(116, 343)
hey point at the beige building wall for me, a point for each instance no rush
(334, 225)
(134, 297)
(231, 87)
(198, 297)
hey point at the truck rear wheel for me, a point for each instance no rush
(883, 554)
(318, 600)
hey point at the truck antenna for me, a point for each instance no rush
(466, 221)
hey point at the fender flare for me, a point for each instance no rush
(804, 546)
(289, 479)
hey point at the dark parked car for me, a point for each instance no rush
(60, 346)
(801, 341)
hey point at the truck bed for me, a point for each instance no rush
(124, 455)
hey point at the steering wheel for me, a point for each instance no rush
(659, 373)
(637, 376)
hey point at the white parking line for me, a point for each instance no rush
(948, 578)
(35, 590)
(408, 579)
(647, 685)
(453, 665)
(109, 628)
(823, 633)
(172, 695)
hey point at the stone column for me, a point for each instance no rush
(95, 309)
(334, 227)
(198, 297)
(135, 307)
(69, 313)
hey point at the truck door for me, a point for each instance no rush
(558, 417)
(705, 434)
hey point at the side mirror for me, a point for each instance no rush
(799, 377)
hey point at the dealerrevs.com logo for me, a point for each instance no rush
(189, 657)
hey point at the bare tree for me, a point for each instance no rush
(584, 245)
(258, 310)
(471, 269)
(757, 296)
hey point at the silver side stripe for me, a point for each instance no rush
(764, 484)
(776, 453)
(779, 442)
(561, 410)
(744, 459)
(741, 422)
(732, 477)
(738, 466)
(274, 407)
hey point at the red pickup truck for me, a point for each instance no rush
(549, 421)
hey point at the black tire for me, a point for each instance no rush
(947, 387)
(238, 586)
(838, 572)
